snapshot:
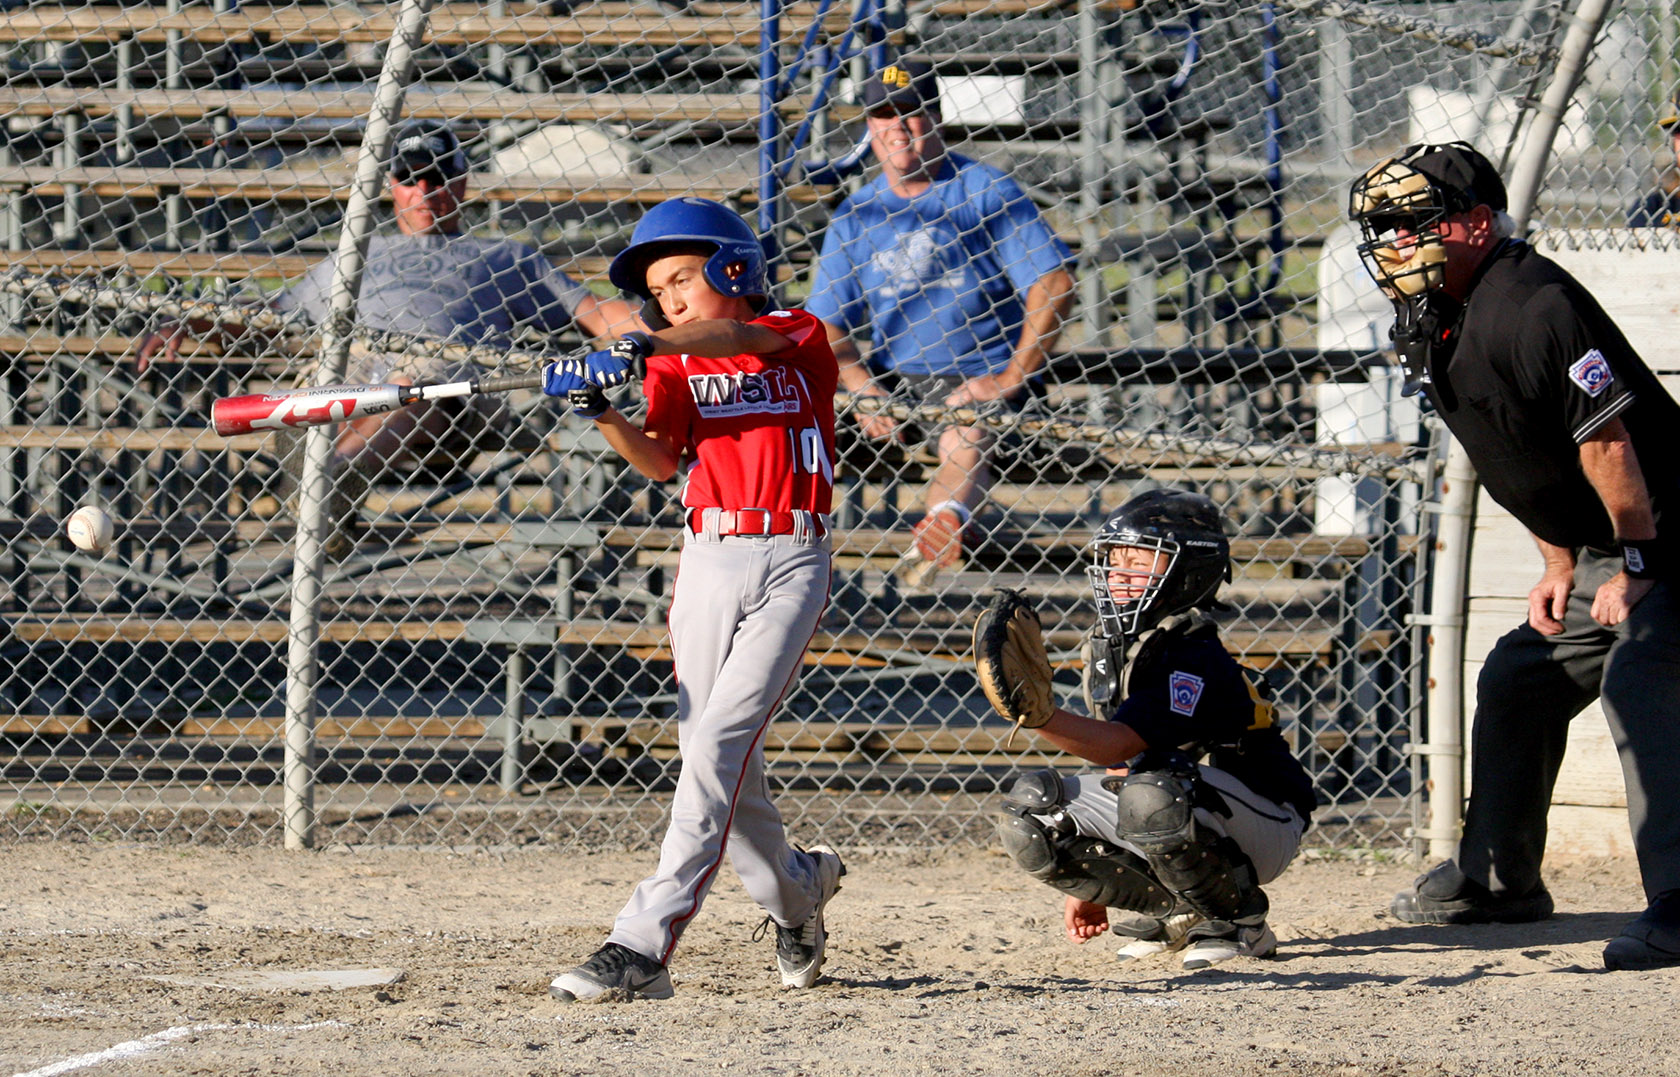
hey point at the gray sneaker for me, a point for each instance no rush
(1215, 942)
(613, 973)
(1148, 935)
(800, 950)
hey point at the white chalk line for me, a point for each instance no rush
(146, 1044)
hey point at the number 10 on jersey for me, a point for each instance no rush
(809, 453)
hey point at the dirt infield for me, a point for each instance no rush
(143, 959)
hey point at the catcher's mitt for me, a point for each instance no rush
(1010, 659)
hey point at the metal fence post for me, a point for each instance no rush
(303, 637)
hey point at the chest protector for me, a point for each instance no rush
(1113, 665)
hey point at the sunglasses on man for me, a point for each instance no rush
(409, 175)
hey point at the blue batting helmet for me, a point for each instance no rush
(736, 268)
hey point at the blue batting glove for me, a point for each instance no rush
(614, 366)
(563, 378)
(606, 368)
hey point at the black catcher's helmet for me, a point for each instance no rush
(1184, 526)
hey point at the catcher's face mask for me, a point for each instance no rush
(1401, 213)
(1128, 578)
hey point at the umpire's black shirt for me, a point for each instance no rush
(1539, 367)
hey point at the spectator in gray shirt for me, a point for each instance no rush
(433, 280)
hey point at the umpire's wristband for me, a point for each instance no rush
(1640, 559)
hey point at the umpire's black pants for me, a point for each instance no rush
(1530, 688)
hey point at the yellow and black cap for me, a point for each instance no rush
(903, 86)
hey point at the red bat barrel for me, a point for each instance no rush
(305, 407)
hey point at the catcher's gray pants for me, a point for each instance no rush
(742, 615)
(1267, 832)
(1530, 688)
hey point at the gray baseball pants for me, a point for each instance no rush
(1267, 832)
(743, 613)
(1530, 689)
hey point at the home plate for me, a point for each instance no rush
(299, 980)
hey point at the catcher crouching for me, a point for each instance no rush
(1199, 801)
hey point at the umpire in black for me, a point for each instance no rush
(1571, 432)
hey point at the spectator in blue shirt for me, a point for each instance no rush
(1660, 208)
(962, 284)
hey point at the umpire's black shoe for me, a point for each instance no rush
(1445, 896)
(1650, 942)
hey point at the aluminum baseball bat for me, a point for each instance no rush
(323, 404)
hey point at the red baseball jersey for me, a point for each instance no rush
(759, 430)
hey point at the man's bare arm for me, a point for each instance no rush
(855, 377)
(1048, 302)
(605, 319)
(1611, 465)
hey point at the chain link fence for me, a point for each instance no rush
(493, 663)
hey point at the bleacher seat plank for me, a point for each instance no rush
(109, 345)
(461, 24)
(142, 629)
(881, 548)
(326, 185)
(458, 25)
(945, 9)
(330, 728)
(455, 105)
(240, 265)
(126, 439)
(838, 739)
(872, 650)
(174, 263)
(1280, 548)
(878, 543)
(44, 724)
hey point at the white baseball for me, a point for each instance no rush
(89, 528)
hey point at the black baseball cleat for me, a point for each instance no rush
(613, 973)
(1445, 896)
(1650, 942)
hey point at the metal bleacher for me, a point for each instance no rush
(208, 148)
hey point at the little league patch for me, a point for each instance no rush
(1592, 373)
(1184, 690)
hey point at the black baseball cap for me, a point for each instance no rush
(905, 86)
(1458, 169)
(1671, 114)
(425, 149)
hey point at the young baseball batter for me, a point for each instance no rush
(741, 399)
